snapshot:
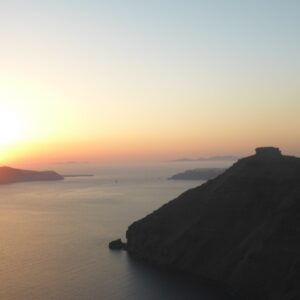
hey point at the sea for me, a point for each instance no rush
(54, 235)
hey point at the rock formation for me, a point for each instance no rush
(12, 175)
(240, 229)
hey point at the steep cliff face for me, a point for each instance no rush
(12, 175)
(241, 228)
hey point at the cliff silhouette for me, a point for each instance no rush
(240, 229)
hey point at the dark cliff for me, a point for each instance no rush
(12, 175)
(241, 228)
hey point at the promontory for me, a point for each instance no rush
(241, 229)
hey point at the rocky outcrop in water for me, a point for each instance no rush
(117, 245)
(12, 175)
(240, 229)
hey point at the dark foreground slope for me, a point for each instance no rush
(11, 175)
(241, 228)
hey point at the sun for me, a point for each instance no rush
(11, 127)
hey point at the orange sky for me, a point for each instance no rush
(153, 81)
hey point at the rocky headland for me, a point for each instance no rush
(241, 229)
(12, 175)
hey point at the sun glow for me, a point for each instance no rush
(11, 127)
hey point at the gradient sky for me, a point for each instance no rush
(130, 80)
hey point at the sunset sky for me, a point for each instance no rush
(147, 80)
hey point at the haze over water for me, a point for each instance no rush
(54, 237)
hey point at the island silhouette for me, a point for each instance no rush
(198, 174)
(13, 175)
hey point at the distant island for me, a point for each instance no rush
(240, 229)
(198, 174)
(78, 175)
(12, 175)
(210, 158)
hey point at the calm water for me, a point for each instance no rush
(54, 236)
